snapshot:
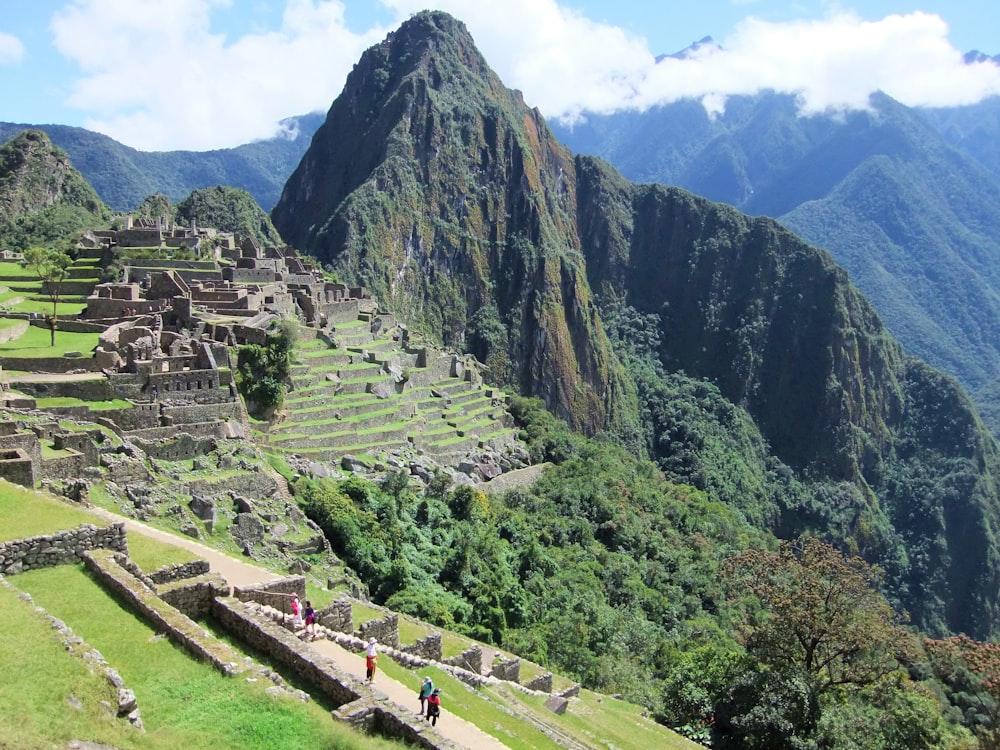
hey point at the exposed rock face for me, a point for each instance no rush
(439, 189)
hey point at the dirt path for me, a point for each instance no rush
(240, 573)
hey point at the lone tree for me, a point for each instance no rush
(52, 268)
(815, 625)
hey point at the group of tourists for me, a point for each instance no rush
(432, 697)
(429, 696)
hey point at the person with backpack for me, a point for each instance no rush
(424, 693)
(434, 706)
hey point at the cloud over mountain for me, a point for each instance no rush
(172, 80)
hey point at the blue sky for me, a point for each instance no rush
(168, 74)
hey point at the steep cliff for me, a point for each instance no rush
(437, 188)
(777, 326)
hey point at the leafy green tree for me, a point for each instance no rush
(820, 628)
(52, 268)
(263, 369)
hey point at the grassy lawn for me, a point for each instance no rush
(40, 676)
(56, 401)
(184, 703)
(13, 268)
(150, 554)
(25, 513)
(36, 342)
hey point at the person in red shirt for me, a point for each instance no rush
(434, 706)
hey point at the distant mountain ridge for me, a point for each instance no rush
(908, 201)
(124, 176)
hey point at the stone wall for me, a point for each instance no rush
(180, 628)
(508, 669)
(194, 596)
(276, 594)
(62, 548)
(17, 467)
(426, 648)
(470, 659)
(12, 332)
(63, 467)
(384, 630)
(542, 683)
(284, 648)
(179, 572)
(338, 615)
(51, 364)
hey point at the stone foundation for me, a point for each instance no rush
(284, 648)
(338, 615)
(385, 630)
(470, 659)
(426, 648)
(276, 594)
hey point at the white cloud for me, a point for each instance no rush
(11, 49)
(567, 65)
(167, 80)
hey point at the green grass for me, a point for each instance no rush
(150, 554)
(36, 342)
(40, 676)
(184, 703)
(12, 268)
(57, 401)
(25, 513)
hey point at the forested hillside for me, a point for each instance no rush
(909, 216)
(43, 198)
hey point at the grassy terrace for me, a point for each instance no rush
(183, 702)
(60, 401)
(36, 342)
(25, 513)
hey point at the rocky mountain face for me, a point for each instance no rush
(443, 193)
(450, 199)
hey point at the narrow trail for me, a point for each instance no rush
(240, 573)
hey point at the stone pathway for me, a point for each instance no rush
(240, 573)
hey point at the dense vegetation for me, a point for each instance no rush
(262, 369)
(228, 210)
(605, 571)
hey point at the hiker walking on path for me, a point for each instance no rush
(296, 612)
(310, 619)
(371, 657)
(425, 692)
(434, 706)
